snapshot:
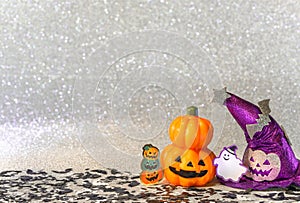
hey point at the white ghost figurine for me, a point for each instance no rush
(229, 167)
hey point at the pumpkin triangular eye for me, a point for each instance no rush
(178, 159)
(266, 162)
(190, 164)
(201, 163)
(251, 159)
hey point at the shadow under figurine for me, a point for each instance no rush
(269, 157)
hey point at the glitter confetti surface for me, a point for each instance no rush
(87, 83)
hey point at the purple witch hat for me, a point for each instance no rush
(269, 157)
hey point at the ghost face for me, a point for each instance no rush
(226, 155)
(227, 159)
(262, 166)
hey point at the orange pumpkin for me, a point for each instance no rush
(187, 167)
(150, 152)
(148, 177)
(191, 131)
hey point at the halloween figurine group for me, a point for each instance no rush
(268, 160)
(151, 170)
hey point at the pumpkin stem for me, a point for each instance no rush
(192, 110)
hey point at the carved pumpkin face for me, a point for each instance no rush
(150, 165)
(187, 167)
(150, 152)
(151, 177)
(261, 166)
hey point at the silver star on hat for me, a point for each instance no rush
(220, 95)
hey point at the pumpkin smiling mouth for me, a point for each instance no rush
(188, 174)
(260, 172)
(151, 157)
(152, 178)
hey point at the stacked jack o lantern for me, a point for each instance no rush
(188, 161)
(151, 170)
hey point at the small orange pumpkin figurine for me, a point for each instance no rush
(188, 161)
(150, 152)
(151, 177)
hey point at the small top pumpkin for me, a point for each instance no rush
(150, 152)
(191, 131)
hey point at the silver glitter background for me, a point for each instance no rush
(87, 83)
